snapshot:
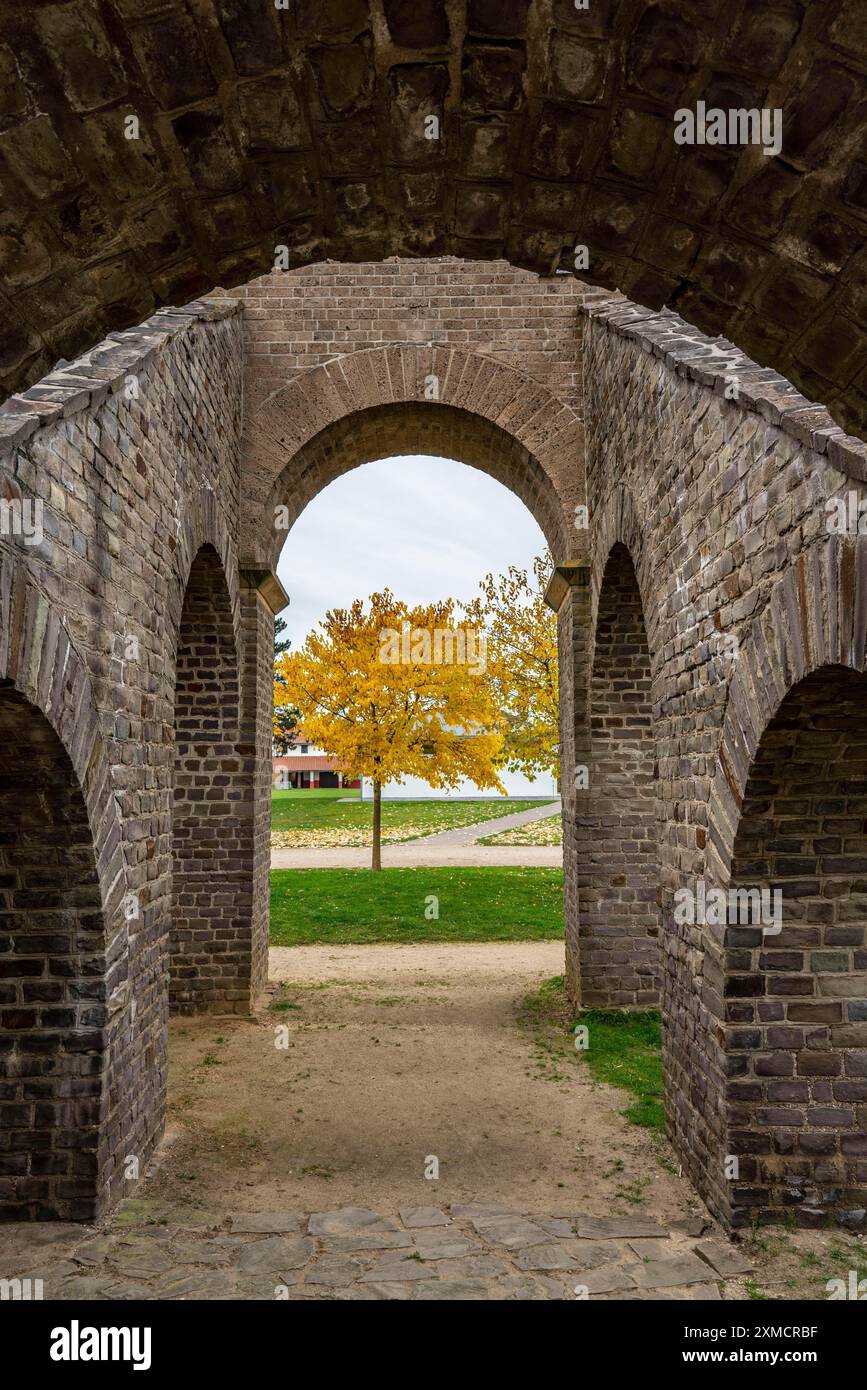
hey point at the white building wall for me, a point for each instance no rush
(416, 789)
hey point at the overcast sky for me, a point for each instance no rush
(428, 528)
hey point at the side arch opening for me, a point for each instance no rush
(53, 1006)
(796, 989)
(618, 839)
(210, 947)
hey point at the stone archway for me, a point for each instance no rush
(66, 921)
(285, 478)
(54, 1016)
(407, 399)
(796, 986)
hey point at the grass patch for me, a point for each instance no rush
(315, 794)
(353, 906)
(624, 1050)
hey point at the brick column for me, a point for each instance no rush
(568, 593)
(262, 596)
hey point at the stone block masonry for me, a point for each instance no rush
(151, 149)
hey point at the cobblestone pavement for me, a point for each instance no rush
(474, 1251)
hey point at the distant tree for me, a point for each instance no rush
(522, 665)
(391, 691)
(285, 717)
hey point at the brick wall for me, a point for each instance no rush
(133, 454)
(257, 730)
(298, 319)
(209, 936)
(714, 475)
(345, 366)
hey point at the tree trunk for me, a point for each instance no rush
(377, 826)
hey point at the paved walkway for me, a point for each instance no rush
(469, 834)
(477, 1251)
(446, 849)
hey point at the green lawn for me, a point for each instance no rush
(624, 1049)
(305, 818)
(355, 905)
(314, 794)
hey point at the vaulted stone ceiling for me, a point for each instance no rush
(304, 126)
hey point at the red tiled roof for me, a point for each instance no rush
(300, 763)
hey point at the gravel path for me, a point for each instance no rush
(304, 1172)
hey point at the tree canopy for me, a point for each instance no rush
(392, 691)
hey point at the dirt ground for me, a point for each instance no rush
(396, 1056)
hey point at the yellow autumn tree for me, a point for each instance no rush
(522, 665)
(391, 691)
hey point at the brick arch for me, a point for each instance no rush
(64, 939)
(38, 659)
(816, 616)
(618, 522)
(617, 816)
(210, 944)
(796, 995)
(372, 404)
(786, 1041)
(306, 128)
(203, 524)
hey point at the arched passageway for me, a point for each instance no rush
(210, 935)
(400, 400)
(188, 370)
(796, 989)
(53, 1004)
